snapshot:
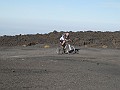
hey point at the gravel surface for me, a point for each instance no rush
(36, 68)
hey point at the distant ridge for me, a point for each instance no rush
(80, 38)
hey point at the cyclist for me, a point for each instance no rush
(63, 39)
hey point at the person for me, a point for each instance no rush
(64, 38)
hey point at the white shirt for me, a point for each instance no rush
(62, 38)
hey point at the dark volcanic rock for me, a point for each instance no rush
(88, 39)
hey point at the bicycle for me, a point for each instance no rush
(67, 49)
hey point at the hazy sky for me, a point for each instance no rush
(43, 16)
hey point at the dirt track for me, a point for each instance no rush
(35, 68)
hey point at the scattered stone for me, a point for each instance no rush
(98, 63)
(13, 70)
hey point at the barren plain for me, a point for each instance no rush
(38, 68)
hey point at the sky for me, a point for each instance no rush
(44, 16)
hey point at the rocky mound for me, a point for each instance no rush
(87, 39)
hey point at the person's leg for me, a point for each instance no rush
(62, 43)
(64, 47)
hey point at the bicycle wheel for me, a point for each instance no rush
(59, 51)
